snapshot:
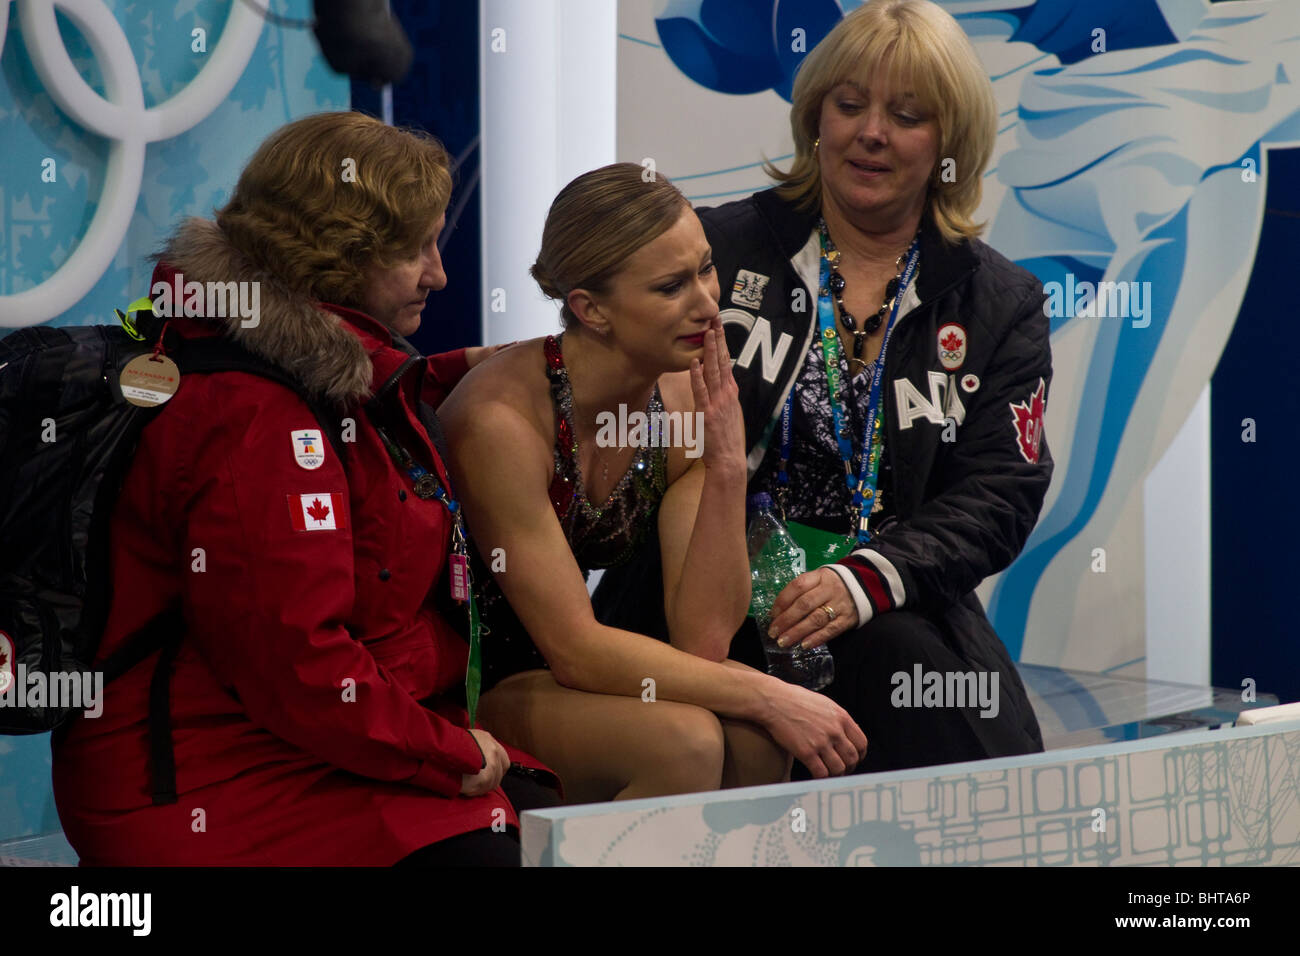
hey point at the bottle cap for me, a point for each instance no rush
(758, 502)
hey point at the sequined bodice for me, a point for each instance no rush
(600, 537)
(604, 536)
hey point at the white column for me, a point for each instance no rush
(547, 104)
(1176, 530)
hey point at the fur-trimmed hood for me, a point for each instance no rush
(313, 345)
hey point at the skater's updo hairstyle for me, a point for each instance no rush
(595, 225)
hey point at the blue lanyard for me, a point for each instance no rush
(423, 482)
(459, 544)
(863, 485)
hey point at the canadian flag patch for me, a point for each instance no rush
(1028, 420)
(319, 512)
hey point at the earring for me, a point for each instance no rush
(816, 143)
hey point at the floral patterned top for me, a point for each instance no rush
(817, 494)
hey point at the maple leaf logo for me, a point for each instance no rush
(318, 511)
(951, 342)
(1028, 419)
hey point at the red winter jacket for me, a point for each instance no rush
(308, 711)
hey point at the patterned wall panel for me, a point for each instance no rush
(118, 118)
(1228, 797)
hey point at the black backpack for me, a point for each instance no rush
(56, 499)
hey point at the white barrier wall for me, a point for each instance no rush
(1209, 798)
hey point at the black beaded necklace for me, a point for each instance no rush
(836, 284)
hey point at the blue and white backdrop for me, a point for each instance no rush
(1162, 149)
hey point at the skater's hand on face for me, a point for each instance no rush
(717, 397)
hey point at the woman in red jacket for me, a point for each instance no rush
(313, 696)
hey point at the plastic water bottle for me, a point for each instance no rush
(774, 561)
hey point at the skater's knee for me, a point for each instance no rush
(684, 748)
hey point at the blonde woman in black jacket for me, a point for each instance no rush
(864, 264)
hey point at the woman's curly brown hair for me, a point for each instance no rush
(330, 196)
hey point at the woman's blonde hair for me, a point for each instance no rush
(922, 49)
(329, 196)
(596, 223)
